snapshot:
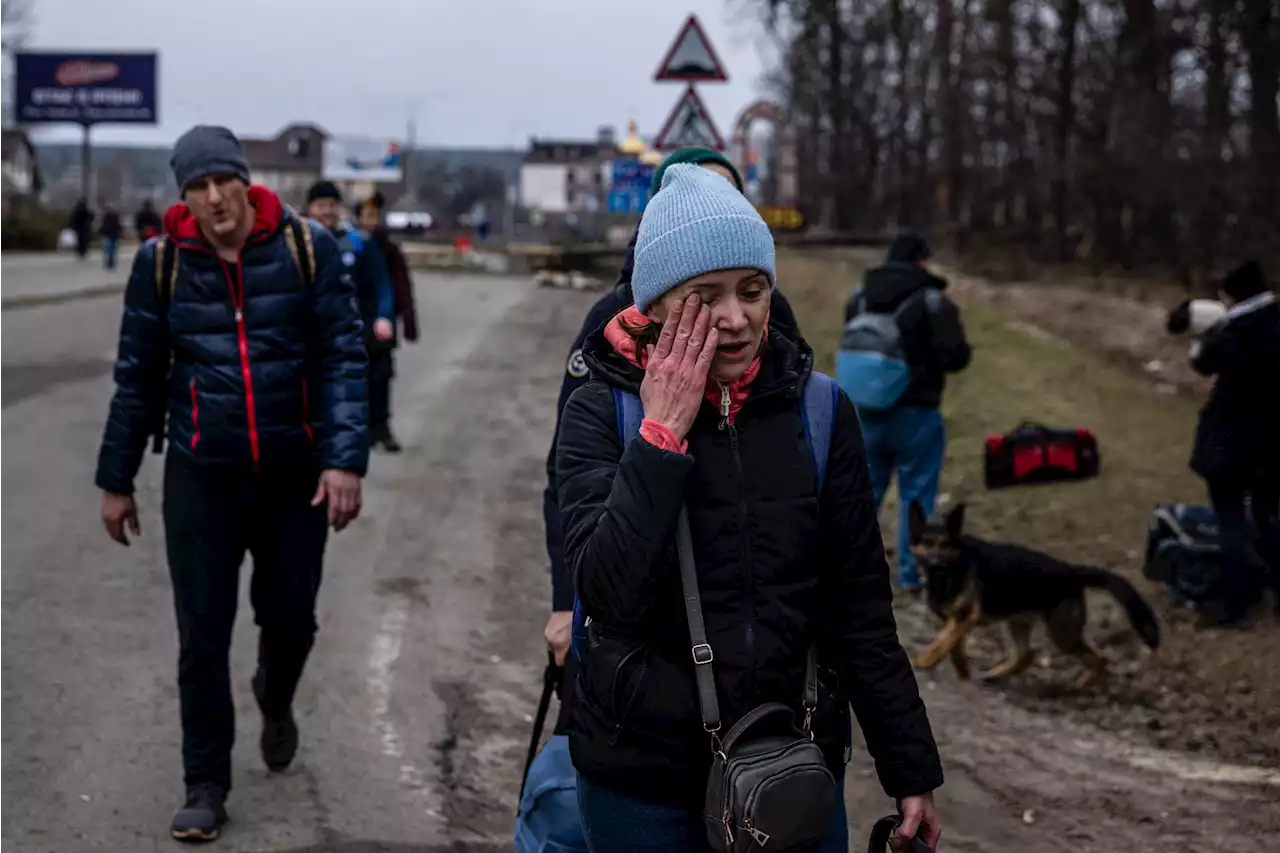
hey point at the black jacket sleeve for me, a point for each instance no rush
(1217, 352)
(140, 393)
(341, 409)
(949, 344)
(575, 376)
(619, 508)
(881, 684)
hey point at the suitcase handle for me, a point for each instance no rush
(883, 831)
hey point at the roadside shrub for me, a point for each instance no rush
(32, 229)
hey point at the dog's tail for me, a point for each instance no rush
(1139, 612)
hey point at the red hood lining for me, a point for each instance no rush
(625, 345)
(268, 212)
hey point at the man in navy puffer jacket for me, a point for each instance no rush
(263, 376)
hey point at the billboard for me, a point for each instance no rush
(85, 88)
(348, 158)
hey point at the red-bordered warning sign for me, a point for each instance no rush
(691, 58)
(689, 125)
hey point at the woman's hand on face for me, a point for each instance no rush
(677, 372)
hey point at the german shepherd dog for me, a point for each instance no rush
(971, 582)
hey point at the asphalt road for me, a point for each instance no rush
(415, 709)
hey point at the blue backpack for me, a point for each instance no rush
(817, 414)
(871, 360)
(548, 820)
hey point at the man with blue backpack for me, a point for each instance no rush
(901, 337)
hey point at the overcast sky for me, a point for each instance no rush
(478, 72)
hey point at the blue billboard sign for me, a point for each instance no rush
(86, 88)
(629, 186)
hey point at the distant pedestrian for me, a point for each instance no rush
(909, 437)
(146, 222)
(110, 231)
(1236, 447)
(257, 356)
(81, 224)
(375, 296)
(382, 366)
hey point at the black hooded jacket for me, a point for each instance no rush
(1236, 439)
(933, 337)
(780, 568)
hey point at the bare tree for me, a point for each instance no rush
(1125, 132)
(16, 20)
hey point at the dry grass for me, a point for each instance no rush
(1216, 692)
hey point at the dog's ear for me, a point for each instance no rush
(916, 521)
(955, 521)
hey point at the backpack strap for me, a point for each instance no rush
(297, 236)
(166, 270)
(818, 414)
(630, 414)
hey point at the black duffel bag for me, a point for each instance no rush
(1035, 453)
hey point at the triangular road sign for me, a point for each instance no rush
(688, 125)
(691, 57)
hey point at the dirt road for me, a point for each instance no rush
(415, 710)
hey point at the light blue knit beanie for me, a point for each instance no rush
(698, 223)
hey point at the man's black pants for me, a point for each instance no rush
(212, 517)
(1245, 533)
(381, 371)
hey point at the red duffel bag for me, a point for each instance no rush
(1035, 453)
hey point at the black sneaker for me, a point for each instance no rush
(203, 815)
(279, 742)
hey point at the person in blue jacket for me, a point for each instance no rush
(375, 294)
(262, 372)
(559, 624)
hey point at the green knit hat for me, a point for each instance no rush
(694, 157)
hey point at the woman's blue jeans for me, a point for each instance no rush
(615, 823)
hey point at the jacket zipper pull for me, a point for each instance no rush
(239, 315)
(724, 406)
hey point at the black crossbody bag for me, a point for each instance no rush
(766, 791)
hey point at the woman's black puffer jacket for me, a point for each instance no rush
(779, 568)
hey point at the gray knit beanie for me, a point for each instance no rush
(207, 150)
(698, 223)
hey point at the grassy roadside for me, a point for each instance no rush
(1212, 692)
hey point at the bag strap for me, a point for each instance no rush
(883, 831)
(818, 414)
(1162, 513)
(701, 649)
(297, 236)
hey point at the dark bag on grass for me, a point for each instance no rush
(1183, 553)
(1035, 453)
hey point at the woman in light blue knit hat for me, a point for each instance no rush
(733, 424)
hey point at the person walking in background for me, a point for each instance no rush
(382, 367)
(146, 222)
(81, 224)
(374, 294)
(261, 368)
(1237, 444)
(110, 231)
(909, 437)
